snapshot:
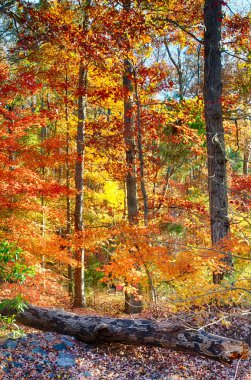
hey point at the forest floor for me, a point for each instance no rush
(53, 356)
(47, 355)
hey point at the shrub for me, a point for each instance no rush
(13, 269)
(12, 264)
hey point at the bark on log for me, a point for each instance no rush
(134, 332)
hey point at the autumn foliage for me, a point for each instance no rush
(170, 258)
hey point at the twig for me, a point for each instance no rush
(237, 367)
(237, 135)
(212, 323)
(182, 27)
(236, 56)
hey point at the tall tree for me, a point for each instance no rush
(217, 177)
(131, 180)
(132, 305)
(140, 148)
(79, 280)
(79, 288)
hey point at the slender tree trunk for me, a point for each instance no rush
(43, 227)
(246, 157)
(79, 283)
(198, 70)
(180, 77)
(79, 278)
(168, 175)
(132, 304)
(178, 68)
(68, 218)
(68, 200)
(245, 163)
(42, 139)
(131, 180)
(152, 290)
(217, 180)
(140, 151)
(142, 181)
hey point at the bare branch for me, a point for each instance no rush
(236, 56)
(184, 29)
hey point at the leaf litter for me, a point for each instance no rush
(44, 356)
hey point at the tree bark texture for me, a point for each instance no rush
(217, 180)
(79, 284)
(134, 332)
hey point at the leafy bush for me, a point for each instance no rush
(12, 264)
(13, 269)
(7, 323)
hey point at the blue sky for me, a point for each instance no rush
(238, 5)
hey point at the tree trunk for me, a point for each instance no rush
(198, 70)
(178, 68)
(132, 305)
(140, 150)
(217, 185)
(43, 137)
(134, 332)
(79, 283)
(131, 180)
(246, 157)
(68, 200)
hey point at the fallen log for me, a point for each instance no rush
(133, 332)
